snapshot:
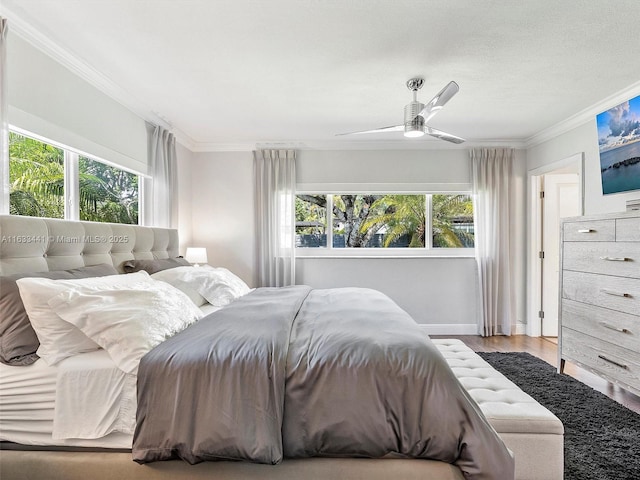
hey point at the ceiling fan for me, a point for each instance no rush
(417, 114)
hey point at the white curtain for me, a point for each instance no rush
(4, 127)
(492, 190)
(275, 181)
(161, 187)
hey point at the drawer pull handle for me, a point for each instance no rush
(615, 259)
(611, 327)
(613, 362)
(586, 230)
(615, 294)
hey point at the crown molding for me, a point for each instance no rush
(408, 144)
(584, 116)
(401, 144)
(184, 139)
(204, 147)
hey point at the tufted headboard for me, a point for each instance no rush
(30, 244)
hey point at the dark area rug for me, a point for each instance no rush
(601, 437)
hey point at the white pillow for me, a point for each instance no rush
(182, 279)
(59, 339)
(218, 285)
(127, 321)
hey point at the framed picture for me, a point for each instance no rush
(619, 146)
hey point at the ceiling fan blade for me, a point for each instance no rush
(442, 135)
(395, 128)
(437, 102)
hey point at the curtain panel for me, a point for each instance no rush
(275, 181)
(161, 187)
(4, 121)
(492, 189)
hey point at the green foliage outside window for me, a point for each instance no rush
(36, 177)
(452, 221)
(399, 215)
(111, 193)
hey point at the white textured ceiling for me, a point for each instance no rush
(241, 72)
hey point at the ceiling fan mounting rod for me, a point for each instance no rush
(415, 84)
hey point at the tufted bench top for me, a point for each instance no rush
(508, 409)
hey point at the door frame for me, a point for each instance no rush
(534, 237)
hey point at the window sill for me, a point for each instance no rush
(385, 253)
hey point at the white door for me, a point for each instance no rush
(561, 199)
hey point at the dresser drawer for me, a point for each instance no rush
(613, 363)
(628, 229)
(616, 293)
(610, 258)
(618, 328)
(590, 231)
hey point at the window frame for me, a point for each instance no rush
(388, 252)
(72, 175)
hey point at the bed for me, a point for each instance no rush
(44, 245)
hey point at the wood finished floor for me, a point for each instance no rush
(547, 350)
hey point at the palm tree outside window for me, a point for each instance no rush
(426, 221)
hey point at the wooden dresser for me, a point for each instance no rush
(600, 296)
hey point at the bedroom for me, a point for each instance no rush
(80, 104)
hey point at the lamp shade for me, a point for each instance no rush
(196, 255)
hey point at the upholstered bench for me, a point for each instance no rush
(530, 431)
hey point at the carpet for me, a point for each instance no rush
(601, 437)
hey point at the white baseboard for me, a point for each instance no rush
(449, 329)
(461, 329)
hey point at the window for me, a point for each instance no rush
(421, 222)
(311, 221)
(107, 194)
(36, 178)
(452, 221)
(48, 181)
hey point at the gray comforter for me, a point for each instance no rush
(295, 372)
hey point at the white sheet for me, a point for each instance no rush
(27, 406)
(27, 397)
(93, 398)
(84, 401)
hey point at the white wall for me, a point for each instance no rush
(185, 231)
(581, 139)
(222, 210)
(384, 166)
(518, 233)
(438, 292)
(47, 99)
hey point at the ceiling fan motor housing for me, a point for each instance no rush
(413, 124)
